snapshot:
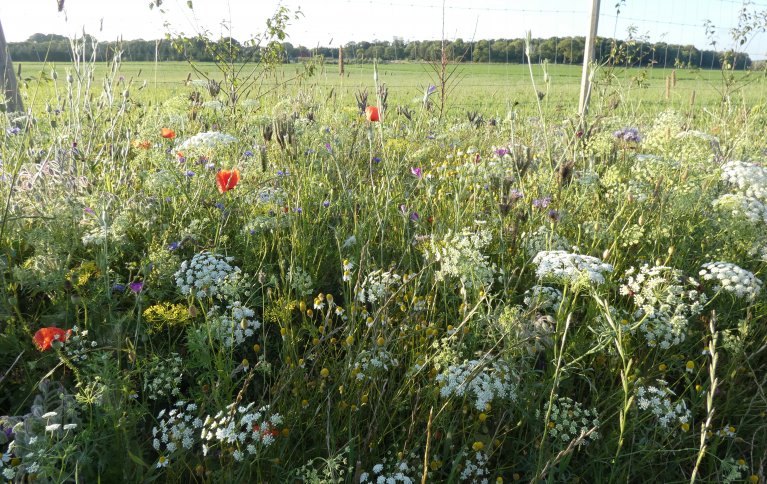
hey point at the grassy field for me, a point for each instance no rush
(195, 288)
(490, 89)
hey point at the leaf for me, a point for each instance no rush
(137, 460)
(189, 4)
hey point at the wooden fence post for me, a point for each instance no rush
(8, 83)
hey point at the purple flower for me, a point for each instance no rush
(416, 172)
(554, 215)
(501, 152)
(12, 131)
(414, 216)
(174, 245)
(630, 135)
(403, 208)
(136, 287)
(326, 203)
(182, 159)
(118, 288)
(189, 173)
(542, 202)
(219, 206)
(89, 211)
(283, 173)
(210, 166)
(328, 147)
(376, 159)
(298, 210)
(248, 153)
(515, 194)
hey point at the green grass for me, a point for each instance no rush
(490, 89)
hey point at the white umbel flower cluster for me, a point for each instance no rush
(163, 377)
(377, 286)
(460, 256)
(475, 469)
(568, 420)
(568, 268)
(543, 298)
(479, 380)
(743, 206)
(207, 140)
(232, 327)
(368, 364)
(398, 472)
(732, 278)
(657, 400)
(177, 429)
(241, 430)
(665, 301)
(544, 239)
(207, 275)
(750, 178)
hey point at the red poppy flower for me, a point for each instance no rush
(371, 112)
(227, 179)
(45, 336)
(167, 133)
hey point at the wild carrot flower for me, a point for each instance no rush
(227, 179)
(44, 337)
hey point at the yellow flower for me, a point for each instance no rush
(350, 340)
(380, 341)
(324, 373)
(685, 427)
(663, 367)
(482, 417)
(477, 446)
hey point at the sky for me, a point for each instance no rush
(336, 22)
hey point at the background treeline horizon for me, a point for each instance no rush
(557, 50)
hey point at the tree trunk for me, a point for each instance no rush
(8, 78)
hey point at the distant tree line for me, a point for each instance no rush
(557, 50)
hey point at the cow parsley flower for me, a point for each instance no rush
(480, 380)
(731, 278)
(749, 178)
(543, 298)
(459, 256)
(665, 301)
(207, 275)
(569, 419)
(241, 430)
(565, 267)
(656, 399)
(176, 429)
(233, 326)
(743, 206)
(207, 140)
(163, 377)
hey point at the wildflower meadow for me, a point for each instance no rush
(286, 284)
